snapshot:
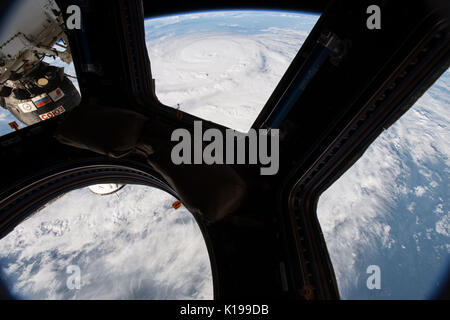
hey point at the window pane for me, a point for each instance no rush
(391, 208)
(128, 245)
(223, 66)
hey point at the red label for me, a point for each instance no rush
(52, 114)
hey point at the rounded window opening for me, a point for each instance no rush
(135, 243)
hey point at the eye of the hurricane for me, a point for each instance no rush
(131, 243)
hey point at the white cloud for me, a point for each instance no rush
(419, 191)
(443, 226)
(439, 209)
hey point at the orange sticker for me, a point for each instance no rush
(176, 205)
(14, 125)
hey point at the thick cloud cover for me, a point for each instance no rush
(129, 245)
(223, 67)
